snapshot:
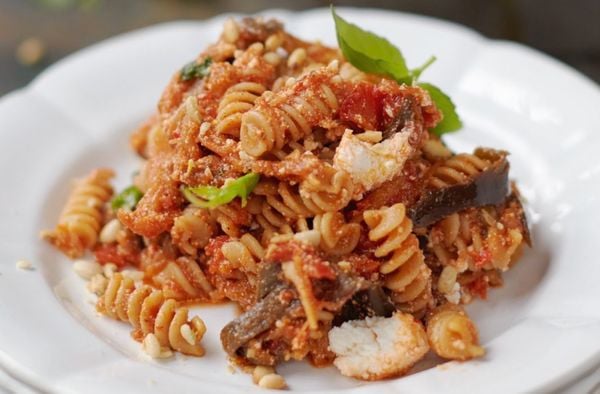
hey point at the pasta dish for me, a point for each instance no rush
(310, 185)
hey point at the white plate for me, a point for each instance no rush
(541, 330)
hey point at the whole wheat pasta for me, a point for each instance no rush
(183, 280)
(237, 100)
(193, 229)
(329, 189)
(245, 253)
(81, 220)
(458, 168)
(477, 239)
(149, 311)
(405, 272)
(337, 237)
(452, 334)
(290, 115)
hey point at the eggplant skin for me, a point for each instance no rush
(515, 200)
(254, 321)
(269, 276)
(490, 187)
(369, 302)
(409, 113)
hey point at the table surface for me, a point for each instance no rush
(567, 30)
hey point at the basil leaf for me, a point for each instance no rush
(194, 70)
(451, 121)
(127, 199)
(367, 51)
(212, 197)
(416, 72)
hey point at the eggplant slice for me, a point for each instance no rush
(256, 320)
(373, 301)
(277, 299)
(488, 187)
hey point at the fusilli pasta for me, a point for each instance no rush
(193, 229)
(459, 168)
(337, 237)
(434, 150)
(328, 189)
(237, 100)
(183, 279)
(81, 220)
(476, 239)
(149, 311)
(452, 334)
(245, 253)
(231, 218)
(405, 272)
(290, 115)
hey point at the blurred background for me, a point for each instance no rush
(36, 33)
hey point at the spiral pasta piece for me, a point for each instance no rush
(337, 237)
(405, 272)
(459, 168)
(277, 207)
(183, 280)
(244, 253)
(434, 150)
(286, 201)
(81, 220)
(452, 334)
(231, 218)
(291, 114)
(328, 189)
(150, 312)
(477, 239)
(192, 230)
(238, 99)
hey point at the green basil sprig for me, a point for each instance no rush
(212, 197)
(374, 54)
(194, 70)
(451, 120)
(367, 51)
(127, 199)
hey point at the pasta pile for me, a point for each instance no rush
(278, 176)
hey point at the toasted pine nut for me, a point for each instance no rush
(109, 232)
(231, 32)
(260, 371)
(86, 268)
(272, 381)
(297, 58)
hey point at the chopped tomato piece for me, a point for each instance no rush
(108, 254)
(362, 107)
(479, 287)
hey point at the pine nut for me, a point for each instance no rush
(260, 371)
(273, 42)
(231, 32)
(297, 58)
(188, 334)
(134, 275)
(24, 265)
(86, 268)
(109, 232)
(199, 327)
(272, 58)
(97, 284)
(109, 270)
(272, 381)
(151, 346)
